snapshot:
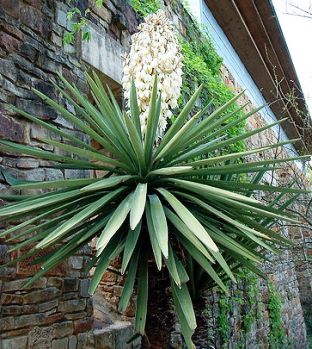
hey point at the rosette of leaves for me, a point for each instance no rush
(178, 203)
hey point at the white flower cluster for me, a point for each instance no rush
(154, 49)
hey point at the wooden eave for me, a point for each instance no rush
(253, 29)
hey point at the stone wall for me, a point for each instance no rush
(56, 312)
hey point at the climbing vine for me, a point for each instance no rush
(277, 337)
(145, 7)
(246, 297)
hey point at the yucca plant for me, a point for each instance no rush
(178, 203)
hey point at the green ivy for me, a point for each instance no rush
(277, 337)
(247, 297)
(145, 7)
(223, 318)
(202, 66)
(78, 22)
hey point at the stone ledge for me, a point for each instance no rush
(115, 336)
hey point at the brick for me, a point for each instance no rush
(60, 343)
(12, 8)
(63, 329)
(74, 305)
(42, 295)
(14, 343)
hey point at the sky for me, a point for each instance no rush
(298, 33)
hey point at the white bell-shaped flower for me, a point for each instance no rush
(154, 50)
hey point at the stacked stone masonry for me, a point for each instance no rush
(57, 312)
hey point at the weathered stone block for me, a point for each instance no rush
(72, 343)
(29, 51)
(29, 320)
(53, 318)
(48, 64)
(11, 298)
(14, 343)
(60, 15)
(83, 325)
(18, 310)
(6, 324)
(4, 255)
(60, 343)
(8, 69)
(12, 8)
(13, 129)
(77, 262)
(74, 305)
(43, 307)
(9, 43)
(40, 337)
(56, 39)
(82, 340)
(104, 54)
(102, 12)
(27, 163)
(35, 3)
(33, 18)
(84, 287)
(36, 108)
(70, 284)
(69, 295)
(63, 329)
(75, 316)
(42, 295)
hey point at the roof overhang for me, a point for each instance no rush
(255, 33)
